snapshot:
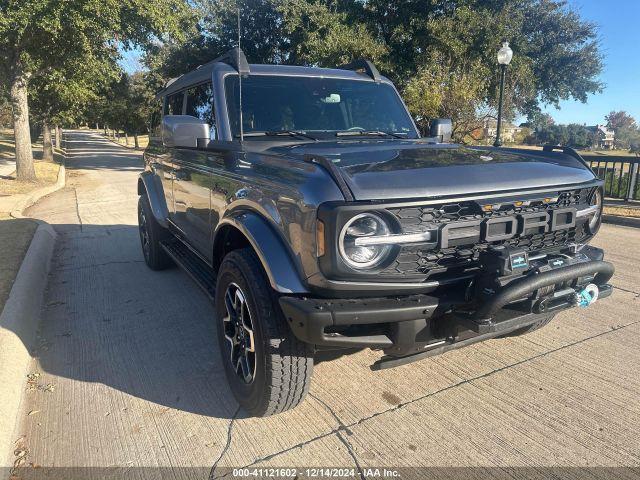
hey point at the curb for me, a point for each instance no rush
(36, 195)
(20, 317)
(18, 325)
(622, 221)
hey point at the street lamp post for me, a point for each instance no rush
(504, 58)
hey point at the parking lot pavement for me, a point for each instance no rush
(137, 380)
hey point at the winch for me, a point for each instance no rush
(503, 265)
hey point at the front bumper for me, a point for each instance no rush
(415, 326)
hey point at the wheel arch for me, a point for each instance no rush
(249, 229)
(149, 184)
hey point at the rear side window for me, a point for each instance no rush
(174, 104)
(200, 103)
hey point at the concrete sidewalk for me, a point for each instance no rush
(7, 168)
(130, 372)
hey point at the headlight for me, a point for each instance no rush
(595, 201)
(363, 256)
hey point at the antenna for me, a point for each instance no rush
(240, 79)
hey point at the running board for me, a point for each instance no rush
(198, 270)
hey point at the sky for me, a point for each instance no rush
(619, 34)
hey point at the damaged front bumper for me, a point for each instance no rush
(411, 327)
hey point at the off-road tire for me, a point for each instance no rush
(530, 328)
(283, 364)
(154, 256)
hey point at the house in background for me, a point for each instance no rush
(489, 129)
(603, 137)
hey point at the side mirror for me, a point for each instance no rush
(184, 131)
(441, 128)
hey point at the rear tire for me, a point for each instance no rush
(254, 338)
(530, 328)
(151, 234)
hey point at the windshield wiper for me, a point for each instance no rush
(372, 133)
(280, 133)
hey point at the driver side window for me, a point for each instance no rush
(200, 104)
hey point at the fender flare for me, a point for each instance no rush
(275, 258)
(149, 183)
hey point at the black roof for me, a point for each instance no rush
(235, 61)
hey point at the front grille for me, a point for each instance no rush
(417, 260)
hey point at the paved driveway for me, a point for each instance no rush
(137, 381)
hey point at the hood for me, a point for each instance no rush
(397, 169)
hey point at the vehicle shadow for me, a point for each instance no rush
(107, 318)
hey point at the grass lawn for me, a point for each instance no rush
(47, 172)
(143, 141)
(15, 237)
(622, 211)
(600, 153)
(6, 145)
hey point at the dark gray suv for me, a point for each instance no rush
(307, 206)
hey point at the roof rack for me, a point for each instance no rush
(567, 151)
(363, 66)
(235, 58)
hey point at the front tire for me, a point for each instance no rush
(268, 368)
(151, 234)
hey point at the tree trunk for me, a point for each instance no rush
(136, 142)
(25, 170)
(126, 139)
(47, 146)
(57, 130)
(59, 136)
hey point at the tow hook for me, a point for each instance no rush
(586, 296)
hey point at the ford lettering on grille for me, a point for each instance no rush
(501, 228)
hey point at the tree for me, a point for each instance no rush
(625, 128)
(523, 135)
(60, 96)
(39, 36)
(440, 53)
(300, 32)
(626, 137)
(620, 120)
(539, 121)
(439, 93)
(579, 136)
(556, 54)
(5, 110)
(139, 103)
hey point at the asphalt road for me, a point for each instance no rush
(137, 381)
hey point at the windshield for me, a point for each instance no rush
(316, 105)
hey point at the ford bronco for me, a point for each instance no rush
(308, 207)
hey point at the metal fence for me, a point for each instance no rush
(620, 175)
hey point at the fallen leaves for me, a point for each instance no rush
(20, 453)
(33, 385)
